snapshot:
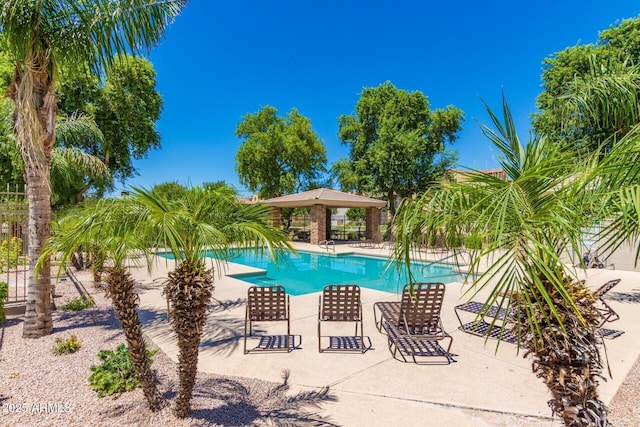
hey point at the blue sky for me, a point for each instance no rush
(223, 59)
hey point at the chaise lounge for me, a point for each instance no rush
(341, 303)
(413, 325)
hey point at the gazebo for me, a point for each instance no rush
(321, 201)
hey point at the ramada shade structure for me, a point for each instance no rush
(321, 201)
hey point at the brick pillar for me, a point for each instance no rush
(328, 226)
(371, 222)
(275, 214)
(318, 224)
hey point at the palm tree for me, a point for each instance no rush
(41, 36)
(110, 227)
(203, 222)
(528, 223)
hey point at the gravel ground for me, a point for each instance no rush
(625, 405)
(38, 388)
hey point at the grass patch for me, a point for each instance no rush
(68, 346)
(79, 303)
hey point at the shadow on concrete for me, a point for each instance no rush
(243, 405)
(625, 297)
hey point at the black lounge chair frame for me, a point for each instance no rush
(413, 325)
(267, 304)
(341, 303)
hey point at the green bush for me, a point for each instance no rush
(10, 252)
(68, 346)
(117, 373)
(79, 303)
(4, 296)
(473, 241)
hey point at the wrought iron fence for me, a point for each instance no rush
(14, 264)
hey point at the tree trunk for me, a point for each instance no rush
(32, 92)
(568, 360)
(37, 318)
(392, 203)
(125, 303)
(189, 289)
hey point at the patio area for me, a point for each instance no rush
(484, 386)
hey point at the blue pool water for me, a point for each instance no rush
(307, 272)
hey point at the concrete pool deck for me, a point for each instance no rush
(484, 386)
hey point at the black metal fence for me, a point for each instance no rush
(14, 264)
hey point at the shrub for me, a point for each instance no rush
(68, 346)
(79, 303)
(4, 296)
(10, 252)
(117, 373)
(473, 241)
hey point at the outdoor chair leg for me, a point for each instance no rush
(375, 319)
(246, 319)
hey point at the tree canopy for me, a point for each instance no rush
(41, 38)
(280, 155)
(574, 77)
(70, 167)
(125, 107)
(397, 143)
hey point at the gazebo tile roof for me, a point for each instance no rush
(324, 196)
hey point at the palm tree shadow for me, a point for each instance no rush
(624, 297)
(88, 318)
(244, 405)
(223, 334)
(223, 331)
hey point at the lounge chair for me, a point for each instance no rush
(590, 259)
(487, 323)
(341, 303)
(268, 304)
(374, 243)
(606, 312)
(413, 325)
(484, 324)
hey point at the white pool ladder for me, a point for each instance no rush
(327, 244)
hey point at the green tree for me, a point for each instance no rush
(563, 78)
(279, 155)
(528, 224)
(40, 37)
(111, 228)
(68, 165)
(169, 190)
(356, 214)
(10, 170)
(125, 107)
(397, 143)
(220, 186)
(203, 221)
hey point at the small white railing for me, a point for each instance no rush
(327, 244)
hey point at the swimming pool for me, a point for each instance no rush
(307, 272)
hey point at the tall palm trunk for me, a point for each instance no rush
(125, 301)
(189, 289)
(34, 97)
(568, 359)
